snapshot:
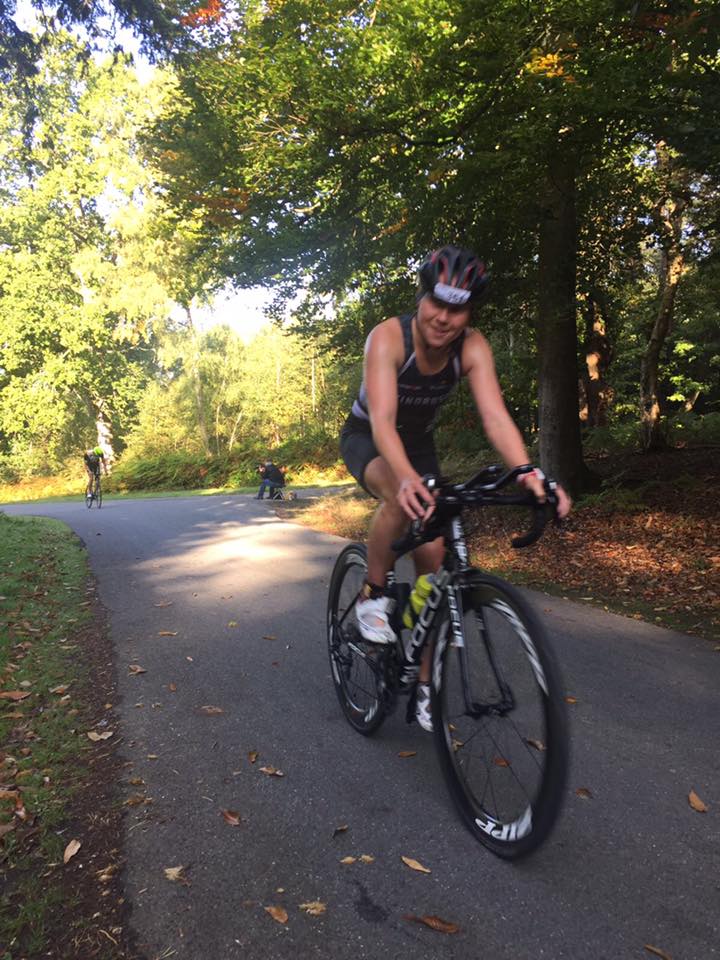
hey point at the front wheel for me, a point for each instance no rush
(357, 667)
(98, 494)
(499, 719)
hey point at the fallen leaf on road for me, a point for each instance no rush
(277, 913)
(272, 771)
(176, 875)
(135, 669)
(211, 711)
(164, 603)
(95, 736)
(407, 753)
(71, 849)
(435, 923)
(696, 803)
(189, 659)
(658, 952)
(349, 860)
(231, 817)
(268, 636)
(61, 689)
(501, 762)
(570, 699)
(232, 623)
(136, 782)
(366, 858)
(414, 865)
(167, 633)
(536, 744)
(338, 830)
(14, 694)
(315, 908)
(583, 793)
(253, 755)
(135, 800)
(172, 687)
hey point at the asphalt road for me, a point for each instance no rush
(633, 866)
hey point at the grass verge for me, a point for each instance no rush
(56, 784)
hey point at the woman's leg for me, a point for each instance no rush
(389, 522)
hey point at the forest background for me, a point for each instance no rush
(321, 149)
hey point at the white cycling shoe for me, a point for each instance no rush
(423, 714)
(373, 622)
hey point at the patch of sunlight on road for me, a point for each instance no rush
(222, 557)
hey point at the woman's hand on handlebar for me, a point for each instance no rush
(415, 498)
(535, 483)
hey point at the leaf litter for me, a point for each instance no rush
(279, 914)
(434, 922)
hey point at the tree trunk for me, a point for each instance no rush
(198, 391)
(559, 422)
(103, 429)
(672, 265)
(598, 355)
(236, 424)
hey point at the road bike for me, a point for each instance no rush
(94, 492)
(498, 709)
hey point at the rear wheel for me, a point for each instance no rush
(357, 667)
(499, 719)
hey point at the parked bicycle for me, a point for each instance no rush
(496, 694)
(94, 492)
(282, 493)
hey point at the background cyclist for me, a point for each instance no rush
(92, 460)
(412, 363)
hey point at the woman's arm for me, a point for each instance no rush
(500, 428)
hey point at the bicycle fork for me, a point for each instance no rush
(474, 708)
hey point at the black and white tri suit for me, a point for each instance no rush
(420, 397)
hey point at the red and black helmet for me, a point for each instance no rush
(453, 275)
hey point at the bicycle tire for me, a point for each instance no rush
(356, 666)
(506, 770)
(98, 493)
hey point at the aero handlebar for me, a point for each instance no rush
(485, 489)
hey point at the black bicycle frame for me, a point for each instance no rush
(446, 594)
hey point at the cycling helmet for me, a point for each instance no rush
(453, 275)
(99, 451)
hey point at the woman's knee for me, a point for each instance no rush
(380, 480)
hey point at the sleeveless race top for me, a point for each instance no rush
(420, 396)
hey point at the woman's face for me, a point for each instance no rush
(440, 323)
